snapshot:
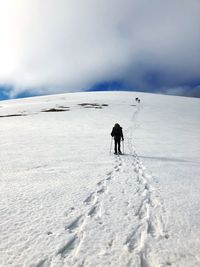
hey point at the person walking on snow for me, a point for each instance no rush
(118, 136)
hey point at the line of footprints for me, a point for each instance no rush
(93, 208)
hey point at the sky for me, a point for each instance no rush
(57, 46)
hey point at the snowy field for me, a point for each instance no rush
(67, 201)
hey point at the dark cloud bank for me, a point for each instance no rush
(69, 45)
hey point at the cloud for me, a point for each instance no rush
(182, 91)
(54, 46)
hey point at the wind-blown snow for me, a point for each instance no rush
(67, 201)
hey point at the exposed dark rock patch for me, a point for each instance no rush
(59, 109)
(12, 115)
(93, 105)
(63, 107)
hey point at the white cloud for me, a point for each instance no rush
(67, 45)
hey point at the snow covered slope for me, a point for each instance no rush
(67, 201)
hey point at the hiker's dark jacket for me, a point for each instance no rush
(117, 132)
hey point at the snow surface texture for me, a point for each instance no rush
(67, 201)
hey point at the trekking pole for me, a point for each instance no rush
(111, 144)
(123, 145)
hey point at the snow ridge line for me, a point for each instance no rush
(150, 212)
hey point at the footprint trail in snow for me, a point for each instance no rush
(120, 221)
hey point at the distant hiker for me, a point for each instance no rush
(137, 99)
(118, 136)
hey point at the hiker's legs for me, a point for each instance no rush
(119, 148)
(115, 146)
